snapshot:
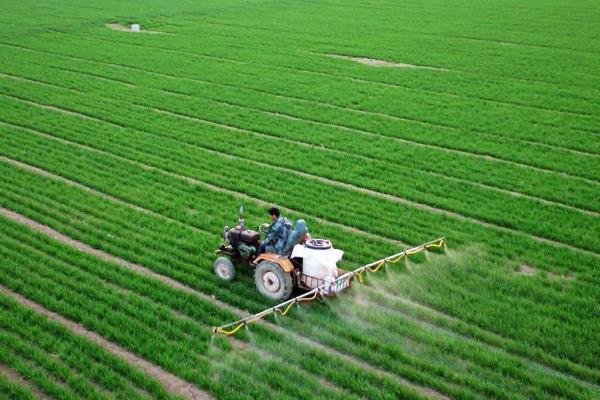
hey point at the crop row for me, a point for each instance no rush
(272, 122)
(155, 193)
(65, 365)
(525, 214)
(222, 172)
(439, 84)
(198, 156)
(387, 348)
(344, 333)
(141, 322)
(219, 165)
(375, 118)
(420, 49)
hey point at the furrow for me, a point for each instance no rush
(14, 376)
(171, 382)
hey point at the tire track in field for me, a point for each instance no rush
(14, 376)
(170, 382)
(164, 75)
(373, 193)
(36, 226)
(184, 178)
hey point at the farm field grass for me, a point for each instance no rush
(122, 156)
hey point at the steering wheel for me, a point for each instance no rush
(263, 228)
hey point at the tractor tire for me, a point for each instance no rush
(272, 281)
(224, 269)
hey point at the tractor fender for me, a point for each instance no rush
(283, 261)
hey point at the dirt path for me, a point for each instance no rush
(171, 383)
(373, 62)
(428, 392)
(14, 376)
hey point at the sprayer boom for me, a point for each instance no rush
(329, 287)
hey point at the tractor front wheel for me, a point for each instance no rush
(224, 268)
(272, 281)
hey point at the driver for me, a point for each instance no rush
(277, 234)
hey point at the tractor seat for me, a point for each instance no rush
(295, 236)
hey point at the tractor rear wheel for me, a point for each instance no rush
(272, 281)
(224, 268)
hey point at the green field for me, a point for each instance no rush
(384, 124)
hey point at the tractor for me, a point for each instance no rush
(305, 263)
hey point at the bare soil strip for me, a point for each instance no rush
(373, 62)
(14, 376)
(123, 28)
(172, 383)
(177, 285)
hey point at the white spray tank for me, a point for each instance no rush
(319, 258)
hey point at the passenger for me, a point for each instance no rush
(277, 235)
